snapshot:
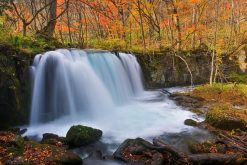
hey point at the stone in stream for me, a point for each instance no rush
(186, 100)
(190, 122)
(79, 135)
(53, 139)
(139, 151)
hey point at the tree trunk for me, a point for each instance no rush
(213, 61)
(50, 28)
(141, 24)
(178, 27)
(193, 22)
(69, 28)
(24, 27)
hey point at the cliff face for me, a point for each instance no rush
(165, 69)
(14, 86)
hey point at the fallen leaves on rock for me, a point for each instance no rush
(28, 152)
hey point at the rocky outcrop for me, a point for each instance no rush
(14, 86)
(186, 100)
(79, 135)
(139, 151)
(240, 58)
(165, 69)
(53, 139)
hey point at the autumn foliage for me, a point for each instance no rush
(139, 24)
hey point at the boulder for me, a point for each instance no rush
(190, 122)
(225, 119)
(53, 139)
(186, 100)
(139, 151)
(79, 135)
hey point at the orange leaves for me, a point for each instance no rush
(36, 154)
(7, 137)
(194, 1)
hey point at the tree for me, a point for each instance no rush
(49, 29)
(217, 3)
(23, 15)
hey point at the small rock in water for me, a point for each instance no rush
(82, 135)
(190, 122)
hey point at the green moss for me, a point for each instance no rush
(82, 135)
(190, 122)
(197, 111)
(217, 87)
(239, 78)
(223, 118)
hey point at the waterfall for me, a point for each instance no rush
(82, 83)
(101, 90)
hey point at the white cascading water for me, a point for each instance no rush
(98, 89)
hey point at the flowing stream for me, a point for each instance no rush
(101, 90)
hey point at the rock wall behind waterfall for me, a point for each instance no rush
(14, 86)
(164, 69)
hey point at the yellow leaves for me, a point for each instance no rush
(2, 20)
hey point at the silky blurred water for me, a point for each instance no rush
(102, 90)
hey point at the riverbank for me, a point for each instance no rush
(224, 107)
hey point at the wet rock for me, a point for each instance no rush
(187, 100)
(139, 151)
(53, 139)
(190, 122)
(207, 147)
(82, 135)
(69, 158)
(96, 155)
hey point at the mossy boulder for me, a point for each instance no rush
(190, 122)
(79, 135)
(225, 118)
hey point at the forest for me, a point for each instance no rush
(123, 82)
